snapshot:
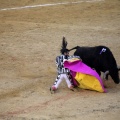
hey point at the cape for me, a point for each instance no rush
(86, 77)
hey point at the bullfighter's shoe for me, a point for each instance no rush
(53, 89)
(71, 88)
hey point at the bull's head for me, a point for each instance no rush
(114, 76)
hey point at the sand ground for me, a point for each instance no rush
(30, 39)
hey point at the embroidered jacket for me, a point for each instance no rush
(60, 64)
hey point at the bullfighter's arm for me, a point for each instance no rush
(58, 62)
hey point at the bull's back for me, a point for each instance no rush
(90, 55)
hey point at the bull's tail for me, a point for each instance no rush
(74, 48)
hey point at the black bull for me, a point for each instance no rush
(100, 58)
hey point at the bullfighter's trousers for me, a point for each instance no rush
(61, 77)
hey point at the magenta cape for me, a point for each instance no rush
(78, 66)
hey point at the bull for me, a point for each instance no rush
(101, 59)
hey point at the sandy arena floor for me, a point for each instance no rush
(30, 39)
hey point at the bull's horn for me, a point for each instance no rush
(118, 68)
(105, 74)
